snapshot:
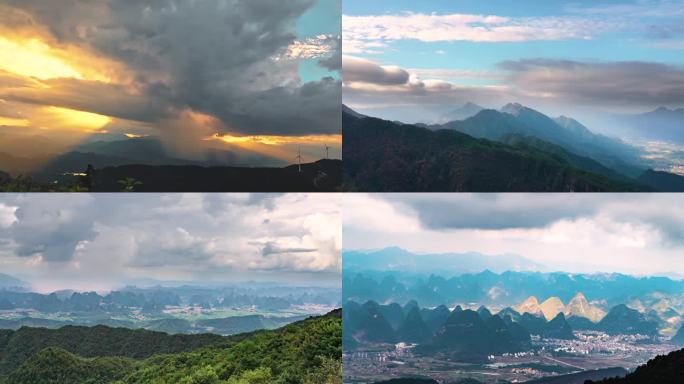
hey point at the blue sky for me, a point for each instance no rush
(321, 19)
(469, 40)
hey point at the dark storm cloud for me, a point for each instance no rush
(214, 56)
(54, 224)
(315, 107)
(334, 61)
(493, 211)
(96, 97)
(52, 233)
(664, 212)
(611, 83)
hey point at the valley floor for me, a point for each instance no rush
(548, 358)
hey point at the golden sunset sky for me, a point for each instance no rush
(232, 75)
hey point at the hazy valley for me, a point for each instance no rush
(505, 327)
(222, 310)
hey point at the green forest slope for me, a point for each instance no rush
(306, 352)
(382, 156)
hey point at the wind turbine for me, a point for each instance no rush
(327, 151)
(299, 158)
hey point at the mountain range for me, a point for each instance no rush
(221, 310)
(411, 280)
(578, 306)
(124, 151)
(620, 320)
(471, 335)
(468, 336)
(661, 124)
(220, 326)
(563, 131)
(463, 334)
(514, 149)
(154, 299)
(149, 164)
(398, 259)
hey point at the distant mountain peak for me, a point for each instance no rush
(579, 295)
(513, 108)
(660, 124)
(484, 312)
(565, 121)
(530, 116)
(552, 306)
(7, 281)
(665, 111)
(558, 328)
(622, 319)
(463, 112)
(572, 125)
(579, 306)
(530, 305)
(394, 248)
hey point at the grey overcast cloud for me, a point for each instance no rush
(628, 233)
(103, 241)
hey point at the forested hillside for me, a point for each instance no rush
(97, 341)
(382, 156)
(668, 369)
(305, 352)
